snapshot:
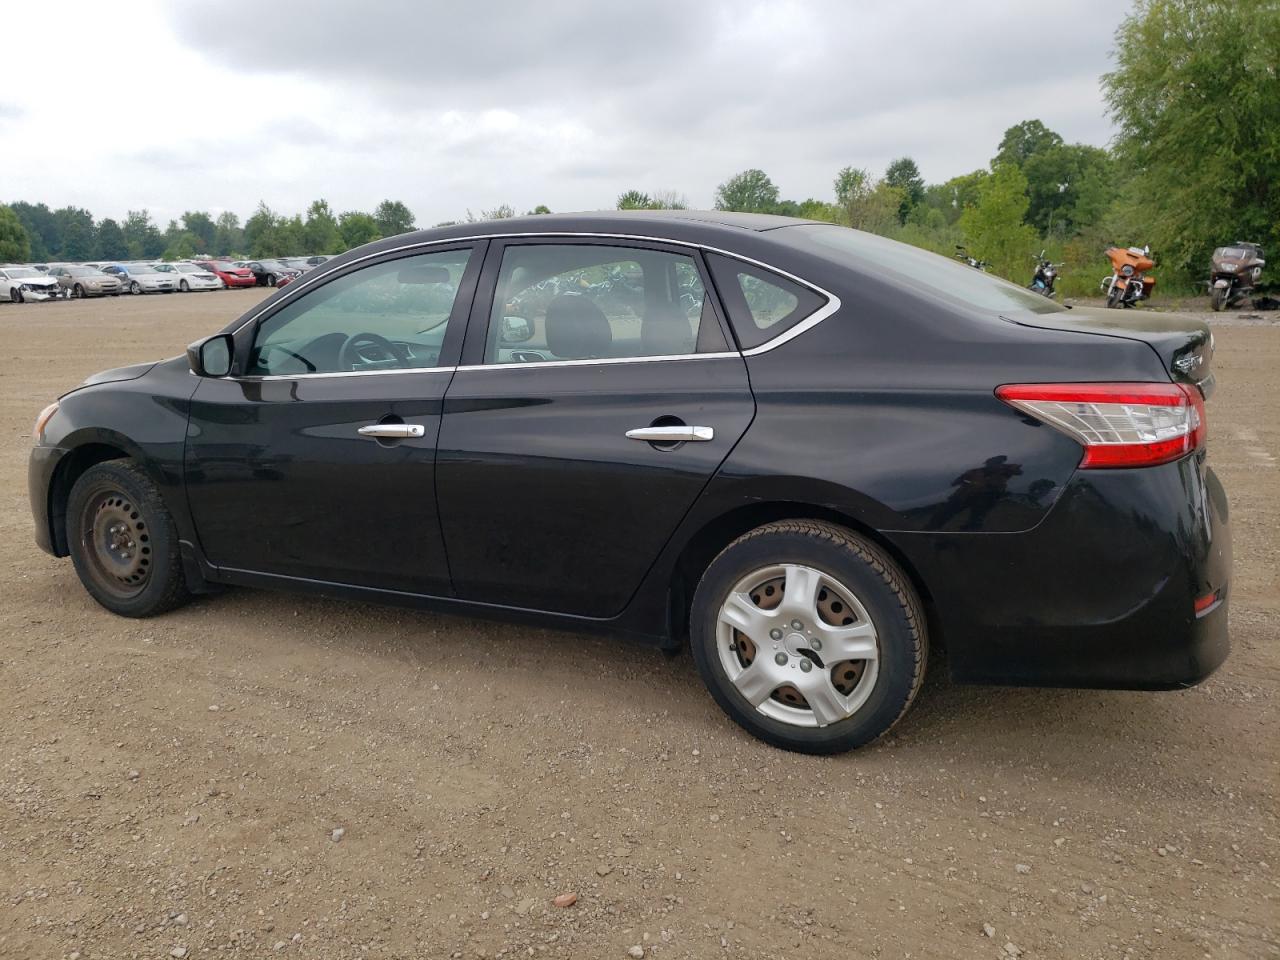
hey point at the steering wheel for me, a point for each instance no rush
(351, 354)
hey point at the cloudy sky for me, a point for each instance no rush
(450, 106)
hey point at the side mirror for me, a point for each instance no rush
(211, 357)
(516, 330)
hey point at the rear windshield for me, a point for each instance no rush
(917, 267)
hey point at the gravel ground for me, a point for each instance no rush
(263, 775)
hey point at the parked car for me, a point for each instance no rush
(20, 284)
(268, 273)
(297, 264)
(317, 260)
(142, 278)
(803, 450)
(85, 281)
(190, 276)
(229, 273)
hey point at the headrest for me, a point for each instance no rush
(666, 331)
(577, 329)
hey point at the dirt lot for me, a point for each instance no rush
(172, 785)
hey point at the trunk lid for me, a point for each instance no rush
(1183, 343)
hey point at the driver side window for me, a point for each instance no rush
(389, 316)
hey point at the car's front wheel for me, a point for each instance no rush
(135, 288)
(809, 636)
(123, 541)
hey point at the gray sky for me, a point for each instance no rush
(449, 106)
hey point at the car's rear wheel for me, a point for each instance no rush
(809, 636)
(123, 541)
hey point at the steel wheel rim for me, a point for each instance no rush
(117, 543)
(781, 650)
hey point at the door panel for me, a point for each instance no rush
(545, 502)
(281, 480)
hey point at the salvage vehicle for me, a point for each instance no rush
(21, 284)
(804, 451)
(1129, 282)
(139, 278)
(85, 281)
(1234, 273)
(268, 273)
(229, 273)
(191, 277)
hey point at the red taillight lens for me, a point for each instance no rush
(1118, 424)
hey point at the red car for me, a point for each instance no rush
(230, 275)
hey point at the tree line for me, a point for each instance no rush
(1195, 95)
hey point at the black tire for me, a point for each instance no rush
(147, 578)
(78, 292)
(877, 583)
(1220, 295)
(184, 287)
(271, 279)
(135, 288)
(1116, 296)
(18, 297)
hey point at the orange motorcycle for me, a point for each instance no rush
(1128, 282)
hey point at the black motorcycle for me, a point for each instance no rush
(1045, 277)
(964, 256)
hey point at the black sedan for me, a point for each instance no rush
(269, 273)
(803, 450)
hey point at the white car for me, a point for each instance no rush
(191, 277)
(142, 278)
(21, 284)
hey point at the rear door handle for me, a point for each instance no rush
(680, 434)
(394, 431)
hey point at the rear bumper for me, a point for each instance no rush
(1101, 594)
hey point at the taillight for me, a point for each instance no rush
(1118, 424)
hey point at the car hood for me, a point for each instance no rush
(40, 281)
(117, 374)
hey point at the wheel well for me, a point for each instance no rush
(707, 543)
(73, 465)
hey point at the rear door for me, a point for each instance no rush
(598, 394)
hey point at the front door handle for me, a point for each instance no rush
(680, 434)
(393, 431)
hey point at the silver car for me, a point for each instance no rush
(143, 278)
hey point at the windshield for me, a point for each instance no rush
(188, 268)
(165, 268)
(912, 265)
(22, 273)
(82, 272)
(1233, 253)
(137, 269)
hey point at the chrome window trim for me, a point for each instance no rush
(304, 282)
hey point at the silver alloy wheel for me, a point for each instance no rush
(798, 645)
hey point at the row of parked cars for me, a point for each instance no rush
(56, 281)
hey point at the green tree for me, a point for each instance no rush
(994, 228)
(503, 211)
(867, 204)
(357, 229)
(539, 209)
(393, 218)
(15, 245)
(181, 245)
(111, 243)
(635, 200)
(42, 229)
(200, 225)
(748, 192)
(321, 230)
(1067, 185)
(142, 237)
(669, 200)
(904, 175)
(1023, 140)
(228, 237)
(261, 232)
(1196, 97)
(76, 231)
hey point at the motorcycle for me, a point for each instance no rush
(1128, 282)
(1234, 273)
(963, 255)
(1046, 276)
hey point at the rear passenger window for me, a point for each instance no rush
(587, 301)
(761, 303)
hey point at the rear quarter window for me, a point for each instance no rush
(761, 304)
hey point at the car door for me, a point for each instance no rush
(598, 395)
(316, 457)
